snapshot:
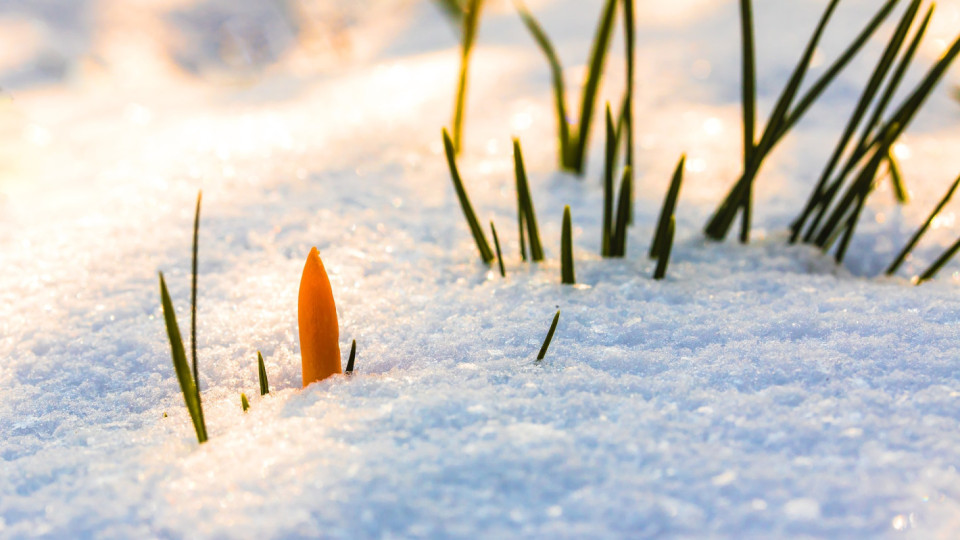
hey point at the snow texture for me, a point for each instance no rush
(759, 391)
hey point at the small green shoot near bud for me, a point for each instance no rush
(262, 375)
(567, 276)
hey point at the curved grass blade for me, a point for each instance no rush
(485, 252)
(471, 19)
(549, 338)
(668, 209)
(663, 258)
(902, 256)
(567, 276)
(525, 206)
(193, 304)
(244, 402)
(187, 386)
(353, 356)
(496, 244)
(598, 54)
(262, 375)
(556, 73)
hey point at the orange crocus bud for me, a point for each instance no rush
(319, 330)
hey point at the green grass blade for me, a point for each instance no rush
(857, 190)
(520, 225)
(453, 10)
(471, 19)
(244, 402)
(262, 375)
(902, 256)
(939, 263)
(817, 89)
(525, 203)
(663, 258)
(591, 86)
(608, 166)
(193, 293)
(180, 364)
(749, 80)
(549, 338)
(353, 356)
(556, 73)
(496, 244)
(619, 243)
(626, 110)
(668, 209)
(485, 252)
(567, 275)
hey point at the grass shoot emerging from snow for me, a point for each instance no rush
(549, 338)
(902, 256)
(567, 275)
(470, 22)
(262, 375)
(244, 402)
(526, 216)
(496, 245)
(353, 356)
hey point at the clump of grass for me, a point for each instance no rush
(790, 107)
(844, 215)
(902, 256)
(526, 216)
(827, 186)
(573, 137)
(567, 275)
(189, 382)
(496, 244)
(485, 252)
(546, 342)
(244, 402)
(262, 375)
(353, 356)
(471, 20)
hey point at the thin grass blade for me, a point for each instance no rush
(939, 263)
(180, 365)
(496, 245)
(608, 165)
(591, 86)
(567, 275)
(244, 402)
(663, 258)
(525, 203)
(549, 338)
(485, 252)
(626, 110)
(619, 248)
(471, 19)
(556, 73)
(902, 256)
(749, 80)
(668, 209)
(896, 179)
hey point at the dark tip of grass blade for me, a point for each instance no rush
(485, 252)
(353, 356)
(663, 258)
(496, 244)
(262, 375)
(528, 215)
(244, 402)
(668, 209)
(939, 263)
(471, 19)
(180, 366)
(546, 342)
(902, 256)
(896, 178)
(567, 275)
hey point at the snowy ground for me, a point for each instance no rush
(758, 391)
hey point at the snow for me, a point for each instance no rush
(759, 391)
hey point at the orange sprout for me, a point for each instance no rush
(319, 330)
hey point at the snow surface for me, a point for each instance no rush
(759, 391)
